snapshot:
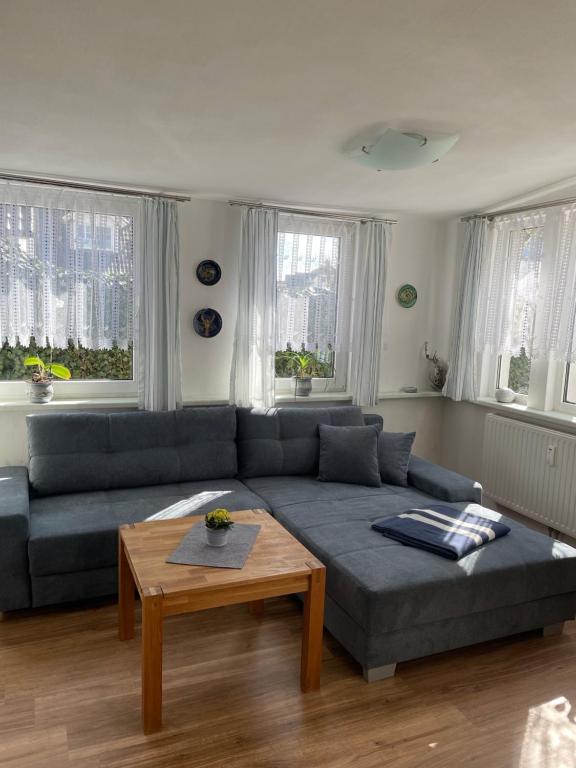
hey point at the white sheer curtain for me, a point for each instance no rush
(510, 284)
(158, 307)
(555, 335)
(315, 273)
(461, 380)
(373, 243)
(528, 288)
(66, 267)
(252, 374)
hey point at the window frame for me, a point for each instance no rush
(561, 404)
(339, 382)
(16, 391)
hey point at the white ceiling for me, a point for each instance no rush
(258, 98)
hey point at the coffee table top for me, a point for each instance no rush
(276, 555)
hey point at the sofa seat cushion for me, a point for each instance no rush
(285, 490)
(79, 532)
(385, 586)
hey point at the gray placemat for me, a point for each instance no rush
(193, 549)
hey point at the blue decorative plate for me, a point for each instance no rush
(407, 296)
(208, 272)
(207, 322)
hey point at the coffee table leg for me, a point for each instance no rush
(152, 660)
(313, 630)
(126, 590)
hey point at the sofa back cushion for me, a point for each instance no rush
(285, 441)
(73, 452)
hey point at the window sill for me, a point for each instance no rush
(347, 397)
(130, 403)
(83, 404)
(523, 412)
(331, 397)
(408, 395)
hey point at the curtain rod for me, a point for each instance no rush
(520, 209)
(90, 187)
(305, 212)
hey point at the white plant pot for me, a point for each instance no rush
(40, 391)
(505, 395)
(217, 537)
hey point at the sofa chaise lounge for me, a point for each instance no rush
(91, 472)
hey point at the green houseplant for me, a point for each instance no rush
(40, 384)
(218, 523)
(303, 366)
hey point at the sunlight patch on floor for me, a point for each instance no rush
(550, 736)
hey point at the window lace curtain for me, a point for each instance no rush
(555, 336)
(66, 269)
(528, 286)
(315, 273)
(510, 285)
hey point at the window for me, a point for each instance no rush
(312, 300)
(514, 372)
(569, 385)
(66, 290)
(527, 308)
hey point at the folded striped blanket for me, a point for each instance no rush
(444, 530)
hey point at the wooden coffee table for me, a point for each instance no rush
(277, 565)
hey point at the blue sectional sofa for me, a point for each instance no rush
(91, 472)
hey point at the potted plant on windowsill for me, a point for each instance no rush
(40, 385)
(218, 523)
(304, 366)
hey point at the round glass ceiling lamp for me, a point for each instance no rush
(398, 150)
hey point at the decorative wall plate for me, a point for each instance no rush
(208, 272)
(407, 296)
(207, 322)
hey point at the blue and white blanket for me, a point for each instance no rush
(441, 529)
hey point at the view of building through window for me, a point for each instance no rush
(66, 280)
(307, 290)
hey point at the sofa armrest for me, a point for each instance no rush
(442, 483)
(374, 418)
(14, 533)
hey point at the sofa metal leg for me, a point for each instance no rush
(553, 629)
(371, 675)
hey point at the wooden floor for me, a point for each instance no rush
(69, 696)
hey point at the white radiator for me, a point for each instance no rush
(531, 470)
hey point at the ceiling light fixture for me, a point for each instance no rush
(397, 150)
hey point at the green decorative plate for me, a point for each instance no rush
(407, 296)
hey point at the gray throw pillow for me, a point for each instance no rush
(394, 450)
(349, 455)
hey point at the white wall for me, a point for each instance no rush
(211, 230)
(208, 230)
(418, 257)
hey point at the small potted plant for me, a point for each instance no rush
(40, 384)
(303, 365)
(218, 524)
